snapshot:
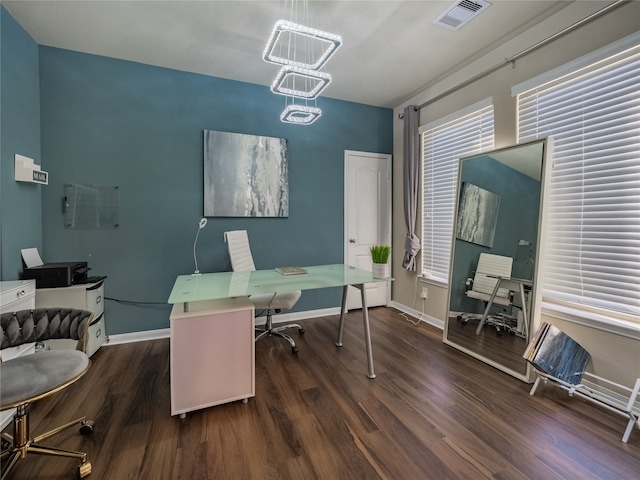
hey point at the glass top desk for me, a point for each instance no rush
(211, 286)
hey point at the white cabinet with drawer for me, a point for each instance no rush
(17, 295)
(87, 296)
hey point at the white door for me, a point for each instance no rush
(367, 218)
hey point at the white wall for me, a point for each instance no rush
(613, 356)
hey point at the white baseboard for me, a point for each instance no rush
(165, 332)
(280, 318)
(296, 316)
(133, 337)
(423, 317)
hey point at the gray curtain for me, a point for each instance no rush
(411, 147)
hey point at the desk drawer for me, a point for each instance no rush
(88, 296)
(17, 295)
(95, 299)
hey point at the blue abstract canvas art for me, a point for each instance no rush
(477, 215)
(245, 175)
(557, 354)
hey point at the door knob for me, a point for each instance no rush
(352, 240)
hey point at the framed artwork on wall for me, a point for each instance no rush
(477, 215)
(245, 175)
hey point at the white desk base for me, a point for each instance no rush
(212, 354)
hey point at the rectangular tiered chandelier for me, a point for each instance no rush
(301, 52)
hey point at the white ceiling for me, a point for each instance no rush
(391, 49)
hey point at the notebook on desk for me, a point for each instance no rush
(291, 270)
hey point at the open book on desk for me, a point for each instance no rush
(291, 270)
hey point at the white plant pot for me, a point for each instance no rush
(381, 270)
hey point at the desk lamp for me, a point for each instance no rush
(203, 222)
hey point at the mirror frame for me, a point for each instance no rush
(535, 296)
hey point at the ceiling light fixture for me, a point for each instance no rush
(285, 82)
(294, 30)
(301, 52)
(300, 114)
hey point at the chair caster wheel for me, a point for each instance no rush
(301, 331)
(84, 469)
(6, 445)
(87, 429)
(294, 349)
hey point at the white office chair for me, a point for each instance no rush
(242, 261)
(484, 282)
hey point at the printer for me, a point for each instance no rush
(50, 275)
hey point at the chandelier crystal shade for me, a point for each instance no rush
(314, 82)
(327, 42)
(301, 52)
(300, 114)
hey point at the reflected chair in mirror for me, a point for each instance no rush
(489, 268)
(242, 261)
(28, 378)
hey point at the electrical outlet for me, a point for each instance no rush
(424, 293)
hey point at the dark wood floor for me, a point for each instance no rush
(431, 413)
(504, 349)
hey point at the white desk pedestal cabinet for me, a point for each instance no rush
(212, 353)
(85, 296)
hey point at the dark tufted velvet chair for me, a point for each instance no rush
(29, 378)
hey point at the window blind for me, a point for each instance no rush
(591, 259)
(442, 147)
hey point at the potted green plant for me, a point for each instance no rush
(380, 258)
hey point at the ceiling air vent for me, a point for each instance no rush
(461, 13)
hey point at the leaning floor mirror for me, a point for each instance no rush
(496, 236)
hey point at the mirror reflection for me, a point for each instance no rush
(495, 245)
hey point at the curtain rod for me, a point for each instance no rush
(511, 60)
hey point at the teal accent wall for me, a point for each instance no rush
(517, 220)
(20, 202)
(111, 122)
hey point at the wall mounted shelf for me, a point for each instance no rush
(28, 171)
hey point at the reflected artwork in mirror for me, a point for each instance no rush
(494, 250)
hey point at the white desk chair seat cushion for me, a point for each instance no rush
(485, 297)
(284, 301)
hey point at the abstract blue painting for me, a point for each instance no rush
(477, 215)
(245, 175)
(559, 355)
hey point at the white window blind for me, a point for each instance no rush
(443, 144)
(591, 259)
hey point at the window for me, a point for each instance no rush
(591, 260)
(444, 142)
